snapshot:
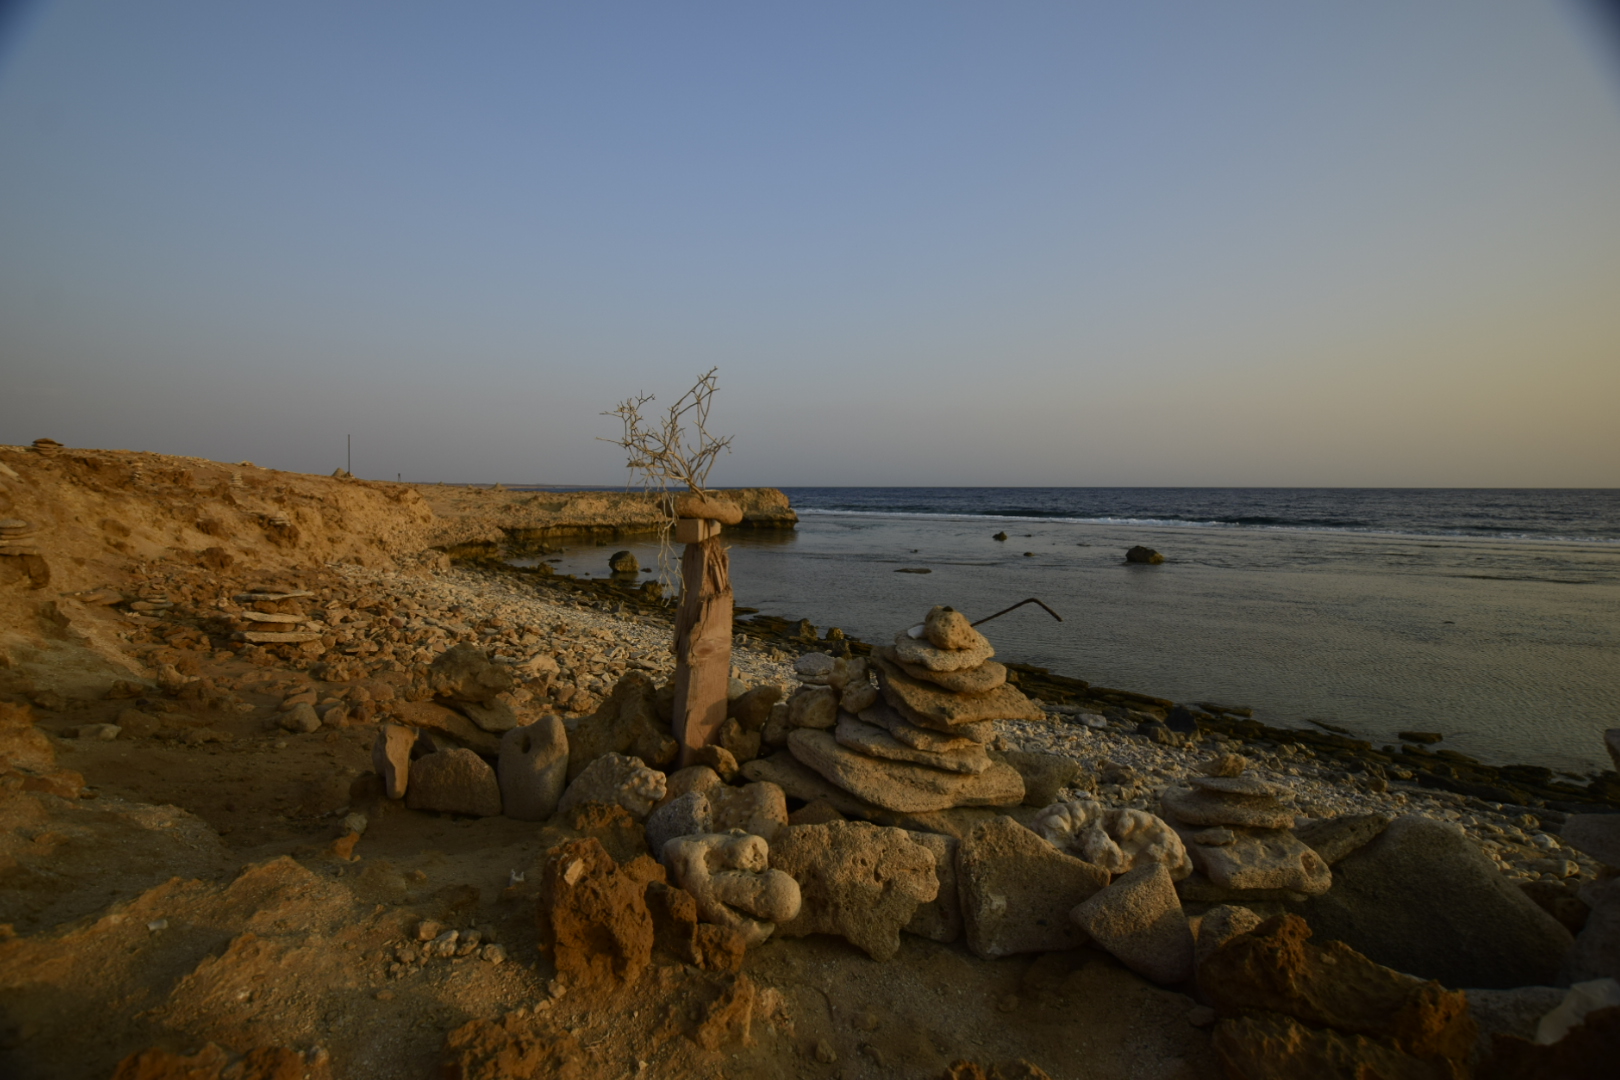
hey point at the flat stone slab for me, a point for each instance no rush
(1261, 859)
(1017, 890)
(271, 637)
(1245, 787)
(918, 651)
(941, 707)
(900, 786)
(1206, 808)
(876, 742)
(1596, 834)
(1334, 838)
(979, 680)
(1139, 919)
(922, 738)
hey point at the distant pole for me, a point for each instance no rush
(350, 469)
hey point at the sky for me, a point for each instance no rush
(931, 243)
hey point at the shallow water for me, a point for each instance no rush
(1511, 648)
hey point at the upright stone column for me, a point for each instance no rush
(702, 636)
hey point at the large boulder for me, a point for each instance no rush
(616, 779)
(593, 913)
(533, 769)
(1017, 890)
(1139, 919)
(454, 781)
(465, 672)
(856, 880)
(626, 723)
(1424, 899)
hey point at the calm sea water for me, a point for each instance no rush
(1491, 616)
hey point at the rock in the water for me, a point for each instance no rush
(593, 913)
(1424, 899)
(1117, 839)
(1208, 808)
(978, 680)
(391, 757)
(1596, 953)
(1145, 555)
(923, 738)
(873, 741)
(624, 562)
(729, 876)
(856, 880)
(1596, 834)
(947, 628)
(1260, 859)
(455, 782)
(1017, 890)
(615, 778)
(533, 769)
(940, 708)
(901, 786)
(910, 650)
(1045, 775)
(1277, 968)
(939, 919)
(1139, 919)
(465, 673)
(626, 723)
(1334, 838)
(813, 707)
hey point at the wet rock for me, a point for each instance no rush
(1424, 899)
(901, 786)
(593, 914)
(533, 769)
(1145, 555)
(1334, 838)
(617, 779)
(947, 628)
(939, 919)
(1139, 919)
(857, 880)
(465, 672)
(1117, 840)
(623, 562)
(391, 757)
(626, 723)
(454, 782)
(1017, 890)
(729, 876)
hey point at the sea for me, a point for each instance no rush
(1489, 616)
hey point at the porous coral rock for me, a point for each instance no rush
(939, 708)
(615, 778)
(857, 880)
(908, 649)
(729, 876)
(1116, 839)
(901, 786)
(1017, 890)
(626, 723)
(1139, 919)
(947, 628)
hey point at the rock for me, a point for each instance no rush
(444, 721)
(1208, 808)
(901, 786)
(454, 782)
(1513, 1012)
(1219, 925)
(709, 508)
(1579, 1000)
(1146, 555)
(729, 876)
(1334, 838)
(624, 562)
(1269, 1046)
(857, 880)
(938, 708)
(1276, 968)
(963, 737)
(801, 782)
(1243, 788)
(1611, 742)
(465, 673)
(615, 778)
(977, 680)
(1427, 738)
(301, 718)
(1596, 952)
(1225, 765)
(1017, 890)
(814, 664)
(1117, 840)
(533, 769)
(691, 778)
(496, 717)
(1261, 859)
(813, 707)
(739, 742)
(753, 708)
(391, 757)
(1139, 919)
(911, 651)
(873, 741)
(1598, 835)
(1424, 899)
(677, 931)
(684, 815)
(815, 812)
(593, 913)
(939, 919)
(100, 732)
(947, 628)
(858, 696)
(718, 758)
(1588, 1052)
(626, 723)
(759, 809)
(1045, 775)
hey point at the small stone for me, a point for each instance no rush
(1139, 919)
(1219, 925)
(814, 663)
(813, 707)
(1226, 765)
(824, 1052)
(301, 719)
(101, 732)
(623, 562)
(1144, 555)
(947, 628)
(427, 930)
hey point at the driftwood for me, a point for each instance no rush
(702, 644)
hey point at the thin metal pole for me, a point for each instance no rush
(350, 469)
(1015, 607)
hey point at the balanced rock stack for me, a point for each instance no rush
(922, 746)
(1237, 833)
(47, 447)
(18, 537)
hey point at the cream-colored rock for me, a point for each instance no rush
(857, 880)
(939, 708)
(813, 707)
(1139, 919)
(615, 778)
(964, 737)
(897, 785)
(947, 628)
(1118, 840)
(729, 876)
(874, 741)
(1261, 859)
(924, 654)
(976, 680)
(391, 757)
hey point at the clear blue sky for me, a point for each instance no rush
(1369, 243)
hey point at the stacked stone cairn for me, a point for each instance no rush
(18, 537)
(918, 743)
(1238, 835)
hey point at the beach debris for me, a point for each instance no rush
(533, 769)
(857, 880)
(1015, 607)
(455, 781)
(1143, 555)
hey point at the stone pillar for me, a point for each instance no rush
(702, 636)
